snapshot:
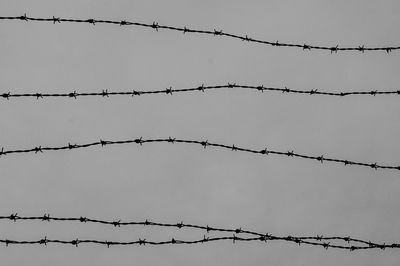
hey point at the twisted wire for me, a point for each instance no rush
(156, 26)
(308, 240)
(205, 143)
(171, 91)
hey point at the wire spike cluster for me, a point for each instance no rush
(204, 144)
(318, 240)
(156, 26)
(202, 88)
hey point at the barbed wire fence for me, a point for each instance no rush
(202, 88)
(204, 144)
(318, 240)
(345, 243)
(156, 26)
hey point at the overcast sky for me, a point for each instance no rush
(173, 183)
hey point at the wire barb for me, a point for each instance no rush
(43, 241)
(72, 146)
(38, 149)
(168, 90)
(72, 94)
(6, 95)
(117, 223)
(139, 141)
(201, 88)
(75, 242)
(91, 21)
(135, 93)
(104, 93)
(46, 217)
(24, 17)
(204, 143)
(334, 49)
(103, 142)
(56, 20)
(155, 26)
(13, 217)
(217, 32)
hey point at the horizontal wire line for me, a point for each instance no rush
(205, 143)
(173, 241)
(118, 223)
(170, 90)
(156, 26)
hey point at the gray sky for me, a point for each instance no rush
(170, 183)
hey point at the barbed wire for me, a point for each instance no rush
(234, 238)
(259, 236)
(205, 143)
(202, 88)
(156, 26)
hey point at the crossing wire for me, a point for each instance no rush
(308, 240)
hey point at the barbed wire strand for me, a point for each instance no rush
(234, 238)
(156, 26)
(171, 91)
(205, 143)
(118, 223)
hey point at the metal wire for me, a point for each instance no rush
(156, 26)
(171, 91)
(308, 240)
(173, 241)
(205, 143)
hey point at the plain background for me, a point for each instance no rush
(173, 183)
